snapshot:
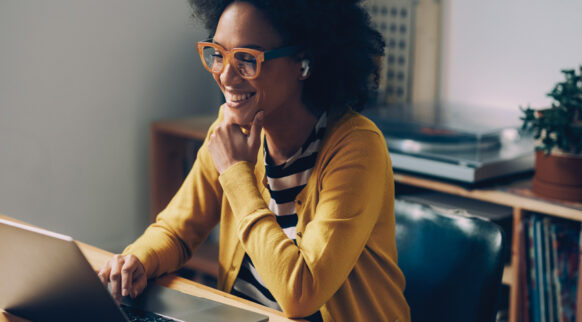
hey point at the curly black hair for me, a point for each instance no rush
(335, 35)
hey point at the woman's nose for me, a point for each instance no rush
(229, 75)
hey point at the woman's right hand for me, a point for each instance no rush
(126, 274)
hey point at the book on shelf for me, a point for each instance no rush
(555, 271)
(549, 295)
(533, 285)
(566, 270)
(552, 248)
(540, 310)
(523, 252)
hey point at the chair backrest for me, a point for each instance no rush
(453, 264)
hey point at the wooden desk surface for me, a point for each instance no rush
(97, 257)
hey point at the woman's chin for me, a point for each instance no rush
(241, 116)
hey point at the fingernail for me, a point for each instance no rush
(124, 292)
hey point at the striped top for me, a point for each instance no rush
(285, 182)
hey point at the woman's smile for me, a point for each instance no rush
(237, 99)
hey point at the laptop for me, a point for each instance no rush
(44, 276)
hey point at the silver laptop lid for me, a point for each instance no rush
(44, 276)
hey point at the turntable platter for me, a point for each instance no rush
(408, 137)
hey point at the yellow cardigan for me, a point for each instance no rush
(345, 260)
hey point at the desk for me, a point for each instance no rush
(97, 257)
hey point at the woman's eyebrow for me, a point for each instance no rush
(250, 46)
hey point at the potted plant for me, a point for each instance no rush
(558, 129)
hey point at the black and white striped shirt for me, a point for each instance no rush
(285, 182)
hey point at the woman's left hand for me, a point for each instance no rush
(229, 145)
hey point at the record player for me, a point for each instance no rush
(458, 142)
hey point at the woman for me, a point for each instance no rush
(301, 184)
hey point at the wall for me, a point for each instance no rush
(508, 53)
(80, 81)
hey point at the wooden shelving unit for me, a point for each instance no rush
(522, 202)
(173, 141)
(168, 151)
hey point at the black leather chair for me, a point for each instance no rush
(453, 264)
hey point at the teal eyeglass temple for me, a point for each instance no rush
(280, 52)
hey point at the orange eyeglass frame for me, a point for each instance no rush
(261, 56)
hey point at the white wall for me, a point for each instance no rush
(507, 53)
(80, 81)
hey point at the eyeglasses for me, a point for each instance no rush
(246, 61)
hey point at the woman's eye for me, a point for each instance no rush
(246, 58)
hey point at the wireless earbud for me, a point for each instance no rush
(304, 68)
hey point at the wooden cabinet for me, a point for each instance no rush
(173, 148)
(174, 144)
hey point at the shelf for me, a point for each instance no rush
(190, 127)
(498, 195)
(169, 139)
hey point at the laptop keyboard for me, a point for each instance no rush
(135, 314)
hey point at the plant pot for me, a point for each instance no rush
(558, 176)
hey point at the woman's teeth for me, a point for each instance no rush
(238, 97)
